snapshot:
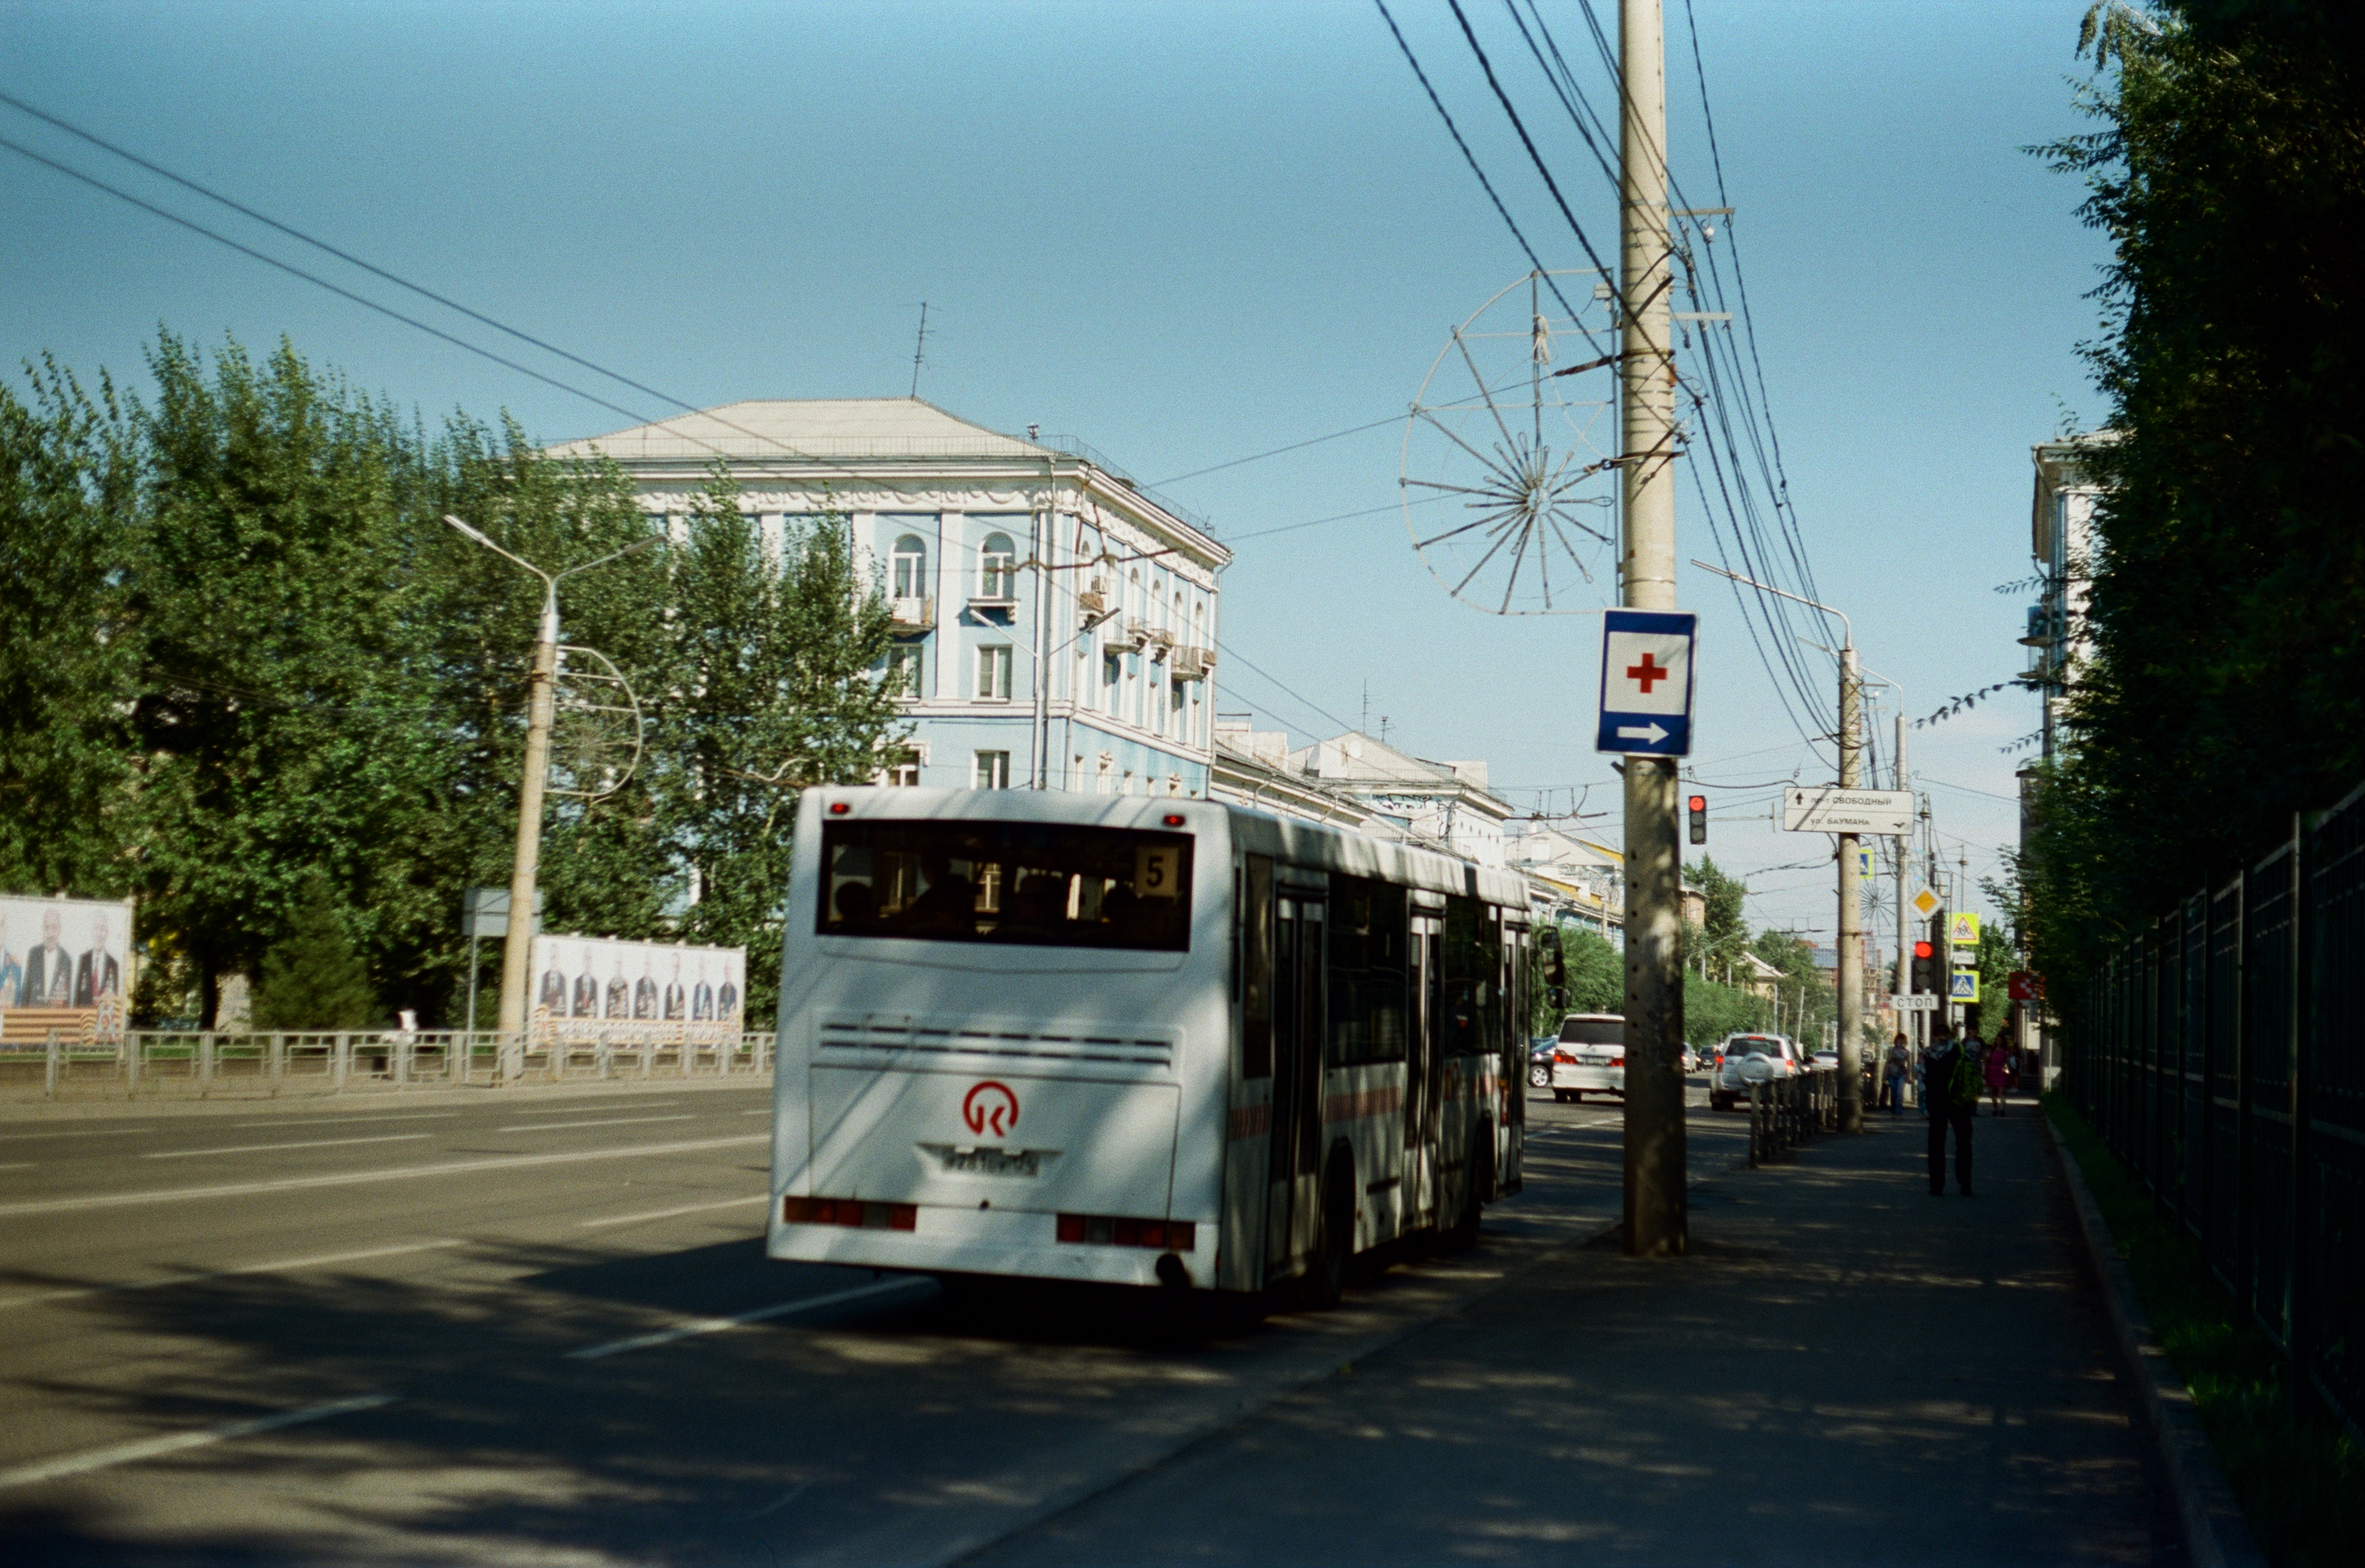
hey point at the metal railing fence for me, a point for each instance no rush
(155, 1061)
(1786, 1112)
(2220, 1053)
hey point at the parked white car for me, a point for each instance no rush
(1590, 1057)
(1753, 1058)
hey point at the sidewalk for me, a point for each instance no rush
(1846, 1370)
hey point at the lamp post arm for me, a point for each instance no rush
(1784, 593)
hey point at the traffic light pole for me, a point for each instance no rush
(1657, 1219)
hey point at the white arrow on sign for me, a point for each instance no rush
(1650, 731)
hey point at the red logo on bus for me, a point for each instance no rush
(990, 1107)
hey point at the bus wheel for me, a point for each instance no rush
(1334, 1240)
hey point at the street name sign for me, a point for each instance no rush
(1646, 683)
(1922, 1001)
(1883, 811)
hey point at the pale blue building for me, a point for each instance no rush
(1055, 623)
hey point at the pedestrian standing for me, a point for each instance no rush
(1998, 1070)
(1950, 1092)
(1893, 1076)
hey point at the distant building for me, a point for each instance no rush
(1445, 803)
(1055, 623)
(1574, 879)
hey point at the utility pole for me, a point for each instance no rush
(1851, 953)
(542, 701)
(1657, 1221)
(1903, 982)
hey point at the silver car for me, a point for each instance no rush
(1590, 1057)
(1753, 1058)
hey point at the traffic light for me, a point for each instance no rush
(1698, 804)
(1555, 979)
(1925, 969)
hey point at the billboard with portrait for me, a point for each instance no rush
(66, 966)
(590, 987)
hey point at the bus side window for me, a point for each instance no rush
(1253, 919)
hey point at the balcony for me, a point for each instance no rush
(916, 613)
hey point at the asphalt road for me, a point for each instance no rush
(538, 1326)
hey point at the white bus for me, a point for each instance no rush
(1135, 1041)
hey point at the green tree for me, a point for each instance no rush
(2227, 687)
(773, 685)
(314, 977)
(69, 649)
(1723, 936)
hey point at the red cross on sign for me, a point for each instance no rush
(1646, 672)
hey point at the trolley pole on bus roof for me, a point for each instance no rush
(1657, 1220)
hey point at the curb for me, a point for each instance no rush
(2216, 1533)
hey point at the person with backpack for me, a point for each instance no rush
(1951, 1095)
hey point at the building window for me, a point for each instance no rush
(992, 772)
(997, 568)
(908, 568)
(993, 673)
(905, 771)
(904, 670)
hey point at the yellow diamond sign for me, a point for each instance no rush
(1925, 904)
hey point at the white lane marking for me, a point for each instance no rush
(759, 1111)
(385, 1173)
(285, 1266)
(268, 1147)
(669, 1214)
(93, 1132)
(613, 1122)
(342, 1121)
(154, 1448)
(17, 1165)
(717, 1325)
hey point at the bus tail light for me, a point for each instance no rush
(853, 1213)
(1111, 1230)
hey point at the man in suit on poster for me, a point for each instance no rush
(675, 997)
(587, 990)
(96, 974)
(620, 992)
(553, 989)
(726, 1000)
(701, 997)
(48, 970)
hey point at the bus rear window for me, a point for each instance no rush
(1036, 884)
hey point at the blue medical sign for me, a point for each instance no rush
(1646, 683)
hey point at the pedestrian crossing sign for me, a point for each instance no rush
(1964, 986)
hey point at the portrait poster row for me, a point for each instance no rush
(66, 966)
(590, 987)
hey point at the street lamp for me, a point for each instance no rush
(1851, 935)
(540, 701)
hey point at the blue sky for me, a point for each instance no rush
(1186, 234)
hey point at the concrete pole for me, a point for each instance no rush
(1851, 953)
(516, 974)
(1901, 981)
(1657, 1223)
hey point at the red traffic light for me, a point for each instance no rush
(1922, 950)
(1698, 802)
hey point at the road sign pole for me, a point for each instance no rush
(1903, 848)
(1851, 953)
(1657, 1223)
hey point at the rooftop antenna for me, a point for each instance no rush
(920, 347)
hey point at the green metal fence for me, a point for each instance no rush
(2220, 1054)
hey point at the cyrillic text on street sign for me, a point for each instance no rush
(1912, 1002)
(1889, 813)
(1646, 683)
